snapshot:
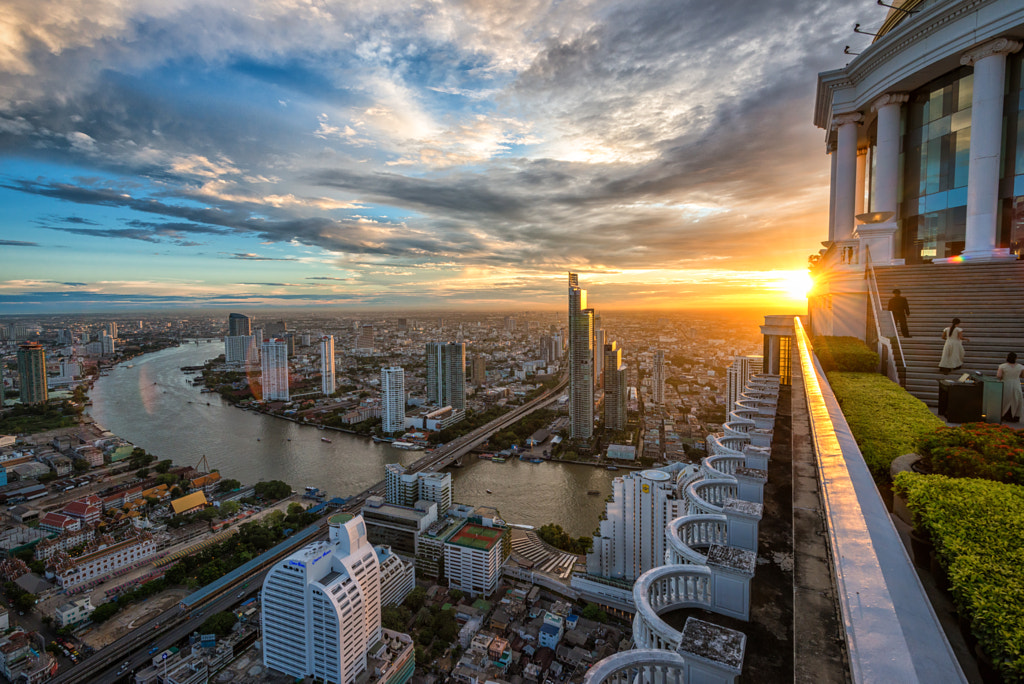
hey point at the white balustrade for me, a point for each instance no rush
(689, 531)
(639, 666)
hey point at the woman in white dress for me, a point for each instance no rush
(953, 349)
(1013, 398)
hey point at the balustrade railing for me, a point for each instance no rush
(708, 496)
(689, 531)
(639, 666)
(887, 337)
(664, 589)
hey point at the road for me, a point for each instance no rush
(168, 629)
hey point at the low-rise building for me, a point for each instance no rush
(106, 559)
(68, 539)
(74, 611)
(473, 559)
(196, 501)
(57, 522)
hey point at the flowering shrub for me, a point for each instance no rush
(984, 450)
(977, 527)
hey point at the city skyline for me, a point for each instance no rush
(388, 157)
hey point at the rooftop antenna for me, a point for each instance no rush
(856, 29)
(898, 9)
(846, 51)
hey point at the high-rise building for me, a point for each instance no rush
(321, 608)
(107, 342)
(240, 349)
(446, 374)
(405, 489)
(289, 339)
(111, 329)
(737, 375)
(32, 373)
(275, 370)
(631, 540)
(599, 343)
(392, 399)
(581, 361)
(479, 372)
(239, 324)
(614, 388)
(276, 329)
(364, 340)
(658, 377)
(510, 324)
(327, 364)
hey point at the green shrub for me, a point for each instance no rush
(988, 451)
(977, 527)
(844, 354)
(886, 420)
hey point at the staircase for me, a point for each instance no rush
(987, 298)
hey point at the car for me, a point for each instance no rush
(241, 594)
(66, 652)
(156, 626)
(154, 650)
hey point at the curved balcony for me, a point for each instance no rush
(639, 666)
(689, 531)
(663, 590)
(685, 479)
(708, 496)
(722, 466)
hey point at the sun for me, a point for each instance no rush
(797, 284)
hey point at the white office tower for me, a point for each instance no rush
(240, 349)
(405, 489)
(598, 358)
(581, 361)
(108, 343)
(321, 606)
(397, 578)
(737, 376)
(658, 377)
(392, 399)
(275, 370)
(615, 388)
(112, 329)
(446, 374)
(632, 537)
(327, 364)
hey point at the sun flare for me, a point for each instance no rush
(797, 284)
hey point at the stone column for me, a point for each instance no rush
(846, 173)
(989, 62)
(862, 162)
(830, 149)
(887, 151)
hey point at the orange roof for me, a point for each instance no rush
(189, 501)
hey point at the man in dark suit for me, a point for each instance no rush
(900, 310)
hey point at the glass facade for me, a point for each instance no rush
(1011, 184)
(936, 155)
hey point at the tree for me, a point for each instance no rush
(176, 492)
(168, 479)
(142, 472)
(593, 612)
(295, 510)
(79, 465)
(229, 508)
(219, 624)
(456, 595)
(273, 489)
(228, 485)
(395, 618)
(414, 601)
(105, 611)
(163, 466)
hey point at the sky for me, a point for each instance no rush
(412, 154)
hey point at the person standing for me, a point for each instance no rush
(900, 310)
(1013, 398)
(953, 349)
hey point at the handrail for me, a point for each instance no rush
(894, 357)
(892, 633)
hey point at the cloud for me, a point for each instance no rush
(18, 243)
(256, 257)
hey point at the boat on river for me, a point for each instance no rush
(594, 492)
(324, 439)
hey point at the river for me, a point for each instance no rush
(152, 405)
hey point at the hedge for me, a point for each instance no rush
(886, 420)
(844, 354)
(977, 529)
(982, 450)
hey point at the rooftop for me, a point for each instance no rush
(477, 537)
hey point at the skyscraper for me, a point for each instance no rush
(275, 370)
(446, 374)
(364, 340)
(321, 609)
(658, 377)
(405, 489)
(737, 375)
(239, 324)
(392, 399)
(581, 361)
(112, 329)
(240, 349)
(614, 388)
(327, 364)
(108, 343)
(598, 358)
(32, 373)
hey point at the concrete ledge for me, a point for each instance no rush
(891, 630)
